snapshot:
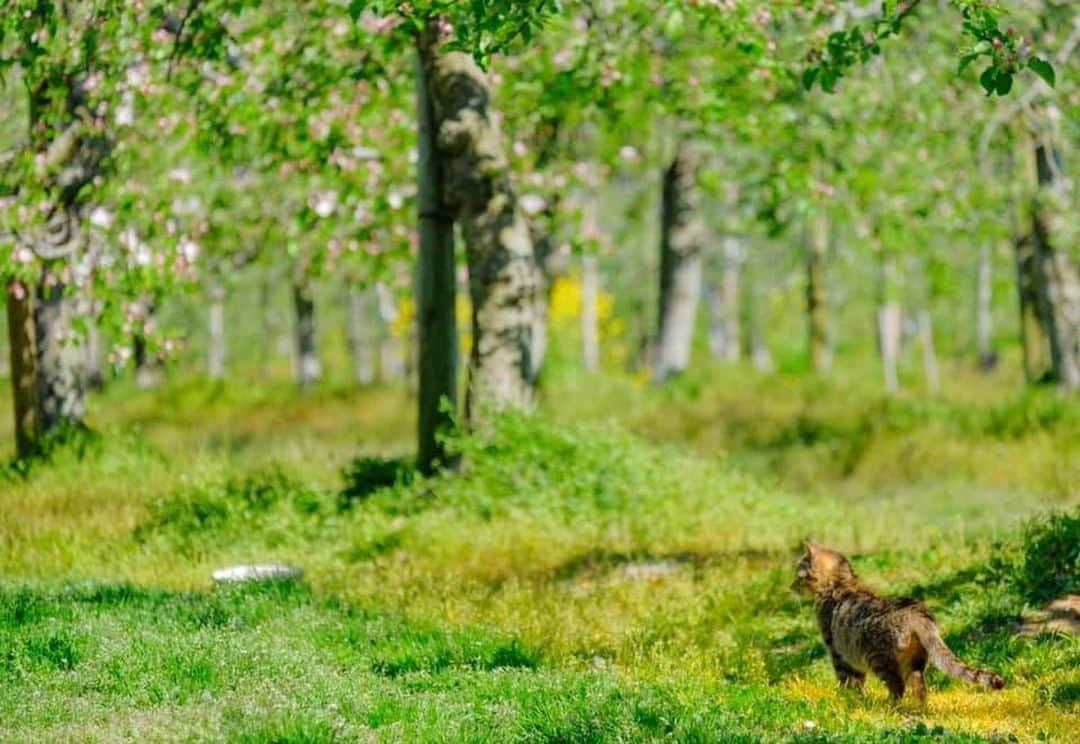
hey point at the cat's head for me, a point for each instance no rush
(820, 569)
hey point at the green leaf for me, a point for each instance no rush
(1004, 84)
(1043, 69)
(808, 77)
(988, 80)
(966, 60)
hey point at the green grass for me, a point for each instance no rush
(621, 576)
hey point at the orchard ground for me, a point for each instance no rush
(612, 569)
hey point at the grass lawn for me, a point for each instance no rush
(613, 569)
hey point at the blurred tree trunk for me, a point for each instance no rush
(21, 347)
(148, 372)
(216, 353)
(503, 276)
(93, 362)
(930, 365)
(392, 354)
(722, 303)
(984, 318)
(590, 324)
(308, 365)
(436, 280)
(817, 292)
(358, 334)
(890, 325)
(754, 342)
(682, 236)
(551, 264)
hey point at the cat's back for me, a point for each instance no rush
(864, 622)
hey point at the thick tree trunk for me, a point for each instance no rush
(216, 352)
(681, 242)
(436, 287)
(503, 276)
(61, 395)
(22, 348)
(308, 365)
(930, 365)
(817, 293)
(1057, 278)
(358, 333)
(984, 319)
(590, 325)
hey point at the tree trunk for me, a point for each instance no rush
(61, 395)
(890, 332)
(436, 287)
(590, 327)
(984, 319)
(681, 242)
(1057, 277)
(503, 276)
(22, 348)
(817, 247)
(93, 364)
(392, 363)
(358, 333)
(755, 342)
(724, 335)
(930, 365)
(148, 372)
(308, 366)
(551, 264)
(216, 353)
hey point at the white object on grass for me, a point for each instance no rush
(256, 572)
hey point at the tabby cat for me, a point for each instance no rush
(893, 638)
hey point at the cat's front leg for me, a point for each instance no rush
(848, 676)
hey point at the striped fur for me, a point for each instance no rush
(893, 638)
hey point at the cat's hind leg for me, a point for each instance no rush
(888, 671)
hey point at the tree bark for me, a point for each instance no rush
(817, 293)
(216, 353)
(308, 365)
(681, 243)
(984, 319)
(1057, 277)
(503, 276)
(890, 325)
(436, 287)
(61, 394)
(358, 333)
(22, 348)
(930, 365)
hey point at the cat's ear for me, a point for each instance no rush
(812, 547)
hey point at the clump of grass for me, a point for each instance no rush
(366, 475)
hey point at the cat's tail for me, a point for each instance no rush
(946, 661)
